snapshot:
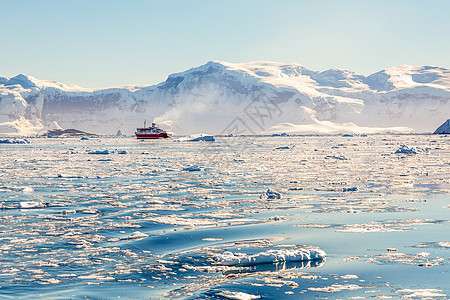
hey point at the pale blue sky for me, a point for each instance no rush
(101, 43)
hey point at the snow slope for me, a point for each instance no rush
(237, 98)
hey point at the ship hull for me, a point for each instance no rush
(152, 136)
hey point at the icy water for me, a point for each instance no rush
(120, 218)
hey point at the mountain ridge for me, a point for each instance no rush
(210, 96)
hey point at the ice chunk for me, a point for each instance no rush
(100, 152)
(15, 141)
(84, 138)
(122, 152)
(269, 194)
(27, 189)
(137, 235)
(31, 204)
(405, 149)
(91, 211)
(192, 169)
(270, 256)
(197, 138)
(282, 148)
(280, 134)
(350, 189)
(237, 295)
(341, 157)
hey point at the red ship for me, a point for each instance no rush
(153, 132)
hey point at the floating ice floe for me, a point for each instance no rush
(100, 152)
(31, 204)
(192, 169)
(237, 295)
(122, 152)
(281, 134)
(15, 141)
(197, 138)
(137, 235)
(336, 287)
(405, 149)
(27, 189)
(84, 138)
(350, 189)
(282, 148)
(341, 157)
(91, 211)
(269, 194)
(270, 256)
(422, 293)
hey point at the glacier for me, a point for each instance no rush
(237, 98)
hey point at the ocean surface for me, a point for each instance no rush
(109, 218)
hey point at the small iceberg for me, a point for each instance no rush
(341, 157)
(237, 295)
(197, 138)
(350, 189)
(444, 128)
(15, 141)
(280, 134)
(269, 194)
(31, 204)
(100, 152)
(192, 169)
(137, 235)
(89, 211)
(27, 189)
(405, 149)
(282, 148)
(270, 256)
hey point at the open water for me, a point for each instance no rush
(109, 218)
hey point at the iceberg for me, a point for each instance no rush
(341, 157)
(229, 258)
(15, 141)
(444, 128)
(350, 189)
(137, 235)
(192, 169)
(31, 204)
(100, 152)
(405, 149)
(269, 194)
(237, 295)
(197, 138)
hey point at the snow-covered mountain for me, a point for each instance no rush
(238, 98)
